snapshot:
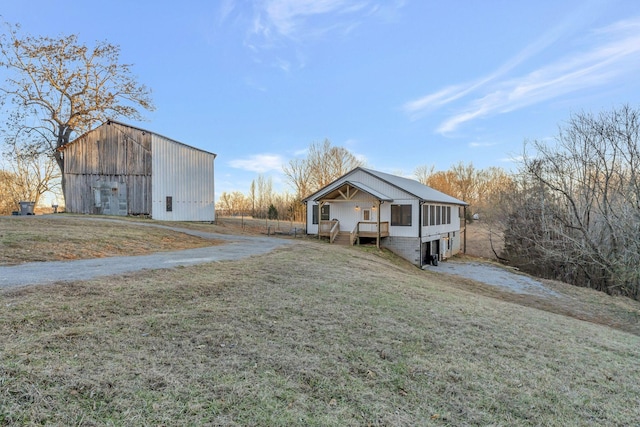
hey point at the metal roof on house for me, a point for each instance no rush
(411, 186)
(416, 188)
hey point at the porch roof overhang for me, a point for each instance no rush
(345, 193)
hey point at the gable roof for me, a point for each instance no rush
(411, 186)
(360, 186)
(108, 122)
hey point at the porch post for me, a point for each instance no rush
(378, 237)
(320, 205)
(464, 251)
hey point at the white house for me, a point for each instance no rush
(118, 169)
(414, 221)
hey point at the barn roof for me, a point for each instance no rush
(108, 122)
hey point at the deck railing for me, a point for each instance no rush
(353, 236)
(334, 231)
(325, 227)
(371, 228)
(331, 229)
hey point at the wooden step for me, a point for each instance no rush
(343, 238)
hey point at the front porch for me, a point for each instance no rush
(370, 229)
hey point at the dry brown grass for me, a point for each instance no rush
(248, 225)
(64, 237)
(309, 335)
(313, 335)
(479, 242)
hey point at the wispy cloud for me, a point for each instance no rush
(291, 18)
(277, 32)
(418, 107)
(259, 163)
(482, 144)
(614, 52)
(278, 22)
(225, 10)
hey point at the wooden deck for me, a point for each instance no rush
(331, 229)
(370, 229)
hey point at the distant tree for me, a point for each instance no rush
(261, 195)
(8, 197)
(324, 163)
(422, 173)
(234, 203)
(273, 212)
(252, 197)
(477, 187)
(34, 174)
(59, 88)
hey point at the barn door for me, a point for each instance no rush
(114, 201)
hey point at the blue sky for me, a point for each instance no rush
(400, 83)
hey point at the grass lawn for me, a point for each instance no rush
(67, 237)
(313, 334)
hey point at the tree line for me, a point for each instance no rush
(323, 164)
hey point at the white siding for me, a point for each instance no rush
(429, 231)
(185, 174)
(402, 230)
(347, 224)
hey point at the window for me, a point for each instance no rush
(366, 215)
(448, 215)
(169, 204)
(438, 215)
(432, 215)
(425, 215)
(401, 215)
(324, 215)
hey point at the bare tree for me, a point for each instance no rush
(297, 172)
(34, 174)
(477, 187)
(234, 203)
(263, 187)
(252, 197)
(324, 163)
(65, 88)
(580, 219)
(423, 173)
(8, 199)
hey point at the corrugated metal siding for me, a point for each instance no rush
(185, 174)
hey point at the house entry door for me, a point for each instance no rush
(368, 215)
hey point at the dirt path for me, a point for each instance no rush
(236, 247)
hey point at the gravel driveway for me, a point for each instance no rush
(495, 276)
(236, 247)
